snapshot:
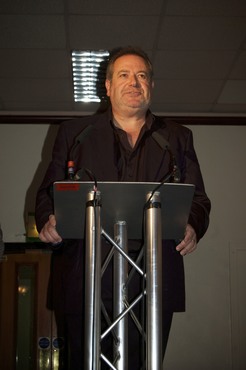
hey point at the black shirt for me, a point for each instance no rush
(131, 160)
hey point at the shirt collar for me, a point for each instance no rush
(148, 121)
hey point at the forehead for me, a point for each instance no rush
(130, 62)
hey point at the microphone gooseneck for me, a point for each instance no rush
(77, 141)
(174, 175)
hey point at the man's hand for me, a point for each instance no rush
(189, 243)
(48, 234)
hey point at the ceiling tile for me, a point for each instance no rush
(164, 108)
(186, 91)
(31, 7)
(187, 64)
(24, 31)
(202, 33)
(37, 63)
(112, 7)
(104, 32)
(239, 68)
(230, 108)
(40, 106)
(234, 92)
(208, 7)
(36, 89)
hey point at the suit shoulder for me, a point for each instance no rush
(172, 126)
(76, 125)
(83, 121)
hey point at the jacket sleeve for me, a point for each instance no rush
(191, 174)
(56, 171)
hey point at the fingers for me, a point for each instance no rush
(48, 233)
(189, 243)
(185, 248)
(52, 220)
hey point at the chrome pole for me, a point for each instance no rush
(93, 282)
(153, 282)
(120, 295)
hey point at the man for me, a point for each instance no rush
(122, 147)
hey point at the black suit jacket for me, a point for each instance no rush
(99, 153)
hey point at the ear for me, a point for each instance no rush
(107, 85)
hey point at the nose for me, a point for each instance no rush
(134, 80)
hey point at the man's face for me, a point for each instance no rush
(130, 87)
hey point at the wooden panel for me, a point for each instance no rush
(7, 322)
(8, 298)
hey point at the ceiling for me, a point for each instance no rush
(198, 49)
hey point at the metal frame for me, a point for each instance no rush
(153, 250)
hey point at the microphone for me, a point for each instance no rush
(77, 141)
(164, 144)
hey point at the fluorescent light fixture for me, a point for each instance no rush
(89, 69)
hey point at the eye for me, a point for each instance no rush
(143, 76)
(123, 75)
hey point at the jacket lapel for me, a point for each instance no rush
(157, 159)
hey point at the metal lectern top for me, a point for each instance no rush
(121, 201)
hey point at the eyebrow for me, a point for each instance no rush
(122, 70)
(127, 70)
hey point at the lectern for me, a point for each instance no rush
(119, 211)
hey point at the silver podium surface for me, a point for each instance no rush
(122, 201)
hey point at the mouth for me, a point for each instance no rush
(133, 93)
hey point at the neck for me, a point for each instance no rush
(131, 125)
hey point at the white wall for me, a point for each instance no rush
(25, 150)
(210, 335)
